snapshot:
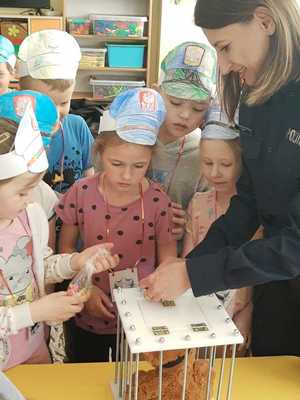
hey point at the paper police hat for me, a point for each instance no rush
(13, 105)
(28, 154)
(7, 52)
(190, 71)
(136, 115)
(217, 126)
(49, 54)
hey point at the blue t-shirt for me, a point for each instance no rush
(72, 144)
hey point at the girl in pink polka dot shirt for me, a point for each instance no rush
(122, 206)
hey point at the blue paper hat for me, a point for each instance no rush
(138, 115)
(7, 52)
(217, 126)
(13, 105)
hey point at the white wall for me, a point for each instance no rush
(178, 25)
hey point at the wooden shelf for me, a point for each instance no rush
(108, 38)
(151, 39)
(82, 95)
(111, 69)
(29, 16)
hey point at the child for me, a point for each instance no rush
(26, 264)
(7, 63)
(48, 63)
(120, 205)
(188, 83)
(12, 106)
(220, 159)
(220, 163)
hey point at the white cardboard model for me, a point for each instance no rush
(192, 322)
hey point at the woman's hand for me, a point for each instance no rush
(99, 255)
(168, 281)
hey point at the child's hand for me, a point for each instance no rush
(102, 261)
(99, 305)
(179, 220)
(55, 307)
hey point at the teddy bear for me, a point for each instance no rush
(173, 373)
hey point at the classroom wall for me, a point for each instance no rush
(178, 25)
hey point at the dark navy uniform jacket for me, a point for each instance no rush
(268, 195)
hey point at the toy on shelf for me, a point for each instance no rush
(79, 26)
(180, 340)
(107, 90)
(15, 31)
(118, 25)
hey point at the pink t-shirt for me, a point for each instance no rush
(16, 265)
(84, 205)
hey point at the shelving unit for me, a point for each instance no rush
(112, 38)
(114, 70)
(149, 8)
(35, 23)
(81, 9)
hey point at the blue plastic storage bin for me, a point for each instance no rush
(126, 55)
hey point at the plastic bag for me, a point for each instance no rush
(81, 284)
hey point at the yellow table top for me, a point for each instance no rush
(263, 378)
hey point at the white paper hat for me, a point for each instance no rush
(29, 154)
(49, 54)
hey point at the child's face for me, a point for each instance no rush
(219, 164)
(183, 116)
(5, 77)
(62, 99)
(15, 194)
(125, 165)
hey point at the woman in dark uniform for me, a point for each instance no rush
(258, 45)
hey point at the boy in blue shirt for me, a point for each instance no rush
(48, 63)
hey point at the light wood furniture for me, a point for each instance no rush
(149, 8)
(261, 378)
(35, 23)
(79, 8)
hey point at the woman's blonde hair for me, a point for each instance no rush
(283, 59)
